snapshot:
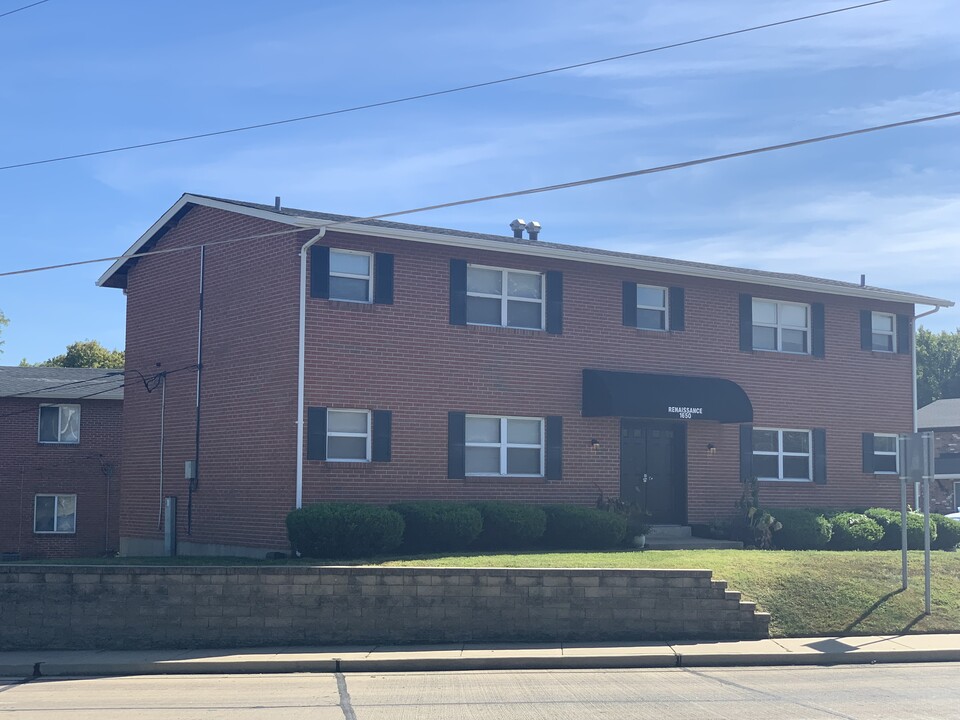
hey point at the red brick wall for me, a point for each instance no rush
(28, 468)
(407, 358)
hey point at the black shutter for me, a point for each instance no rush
(820, 456)
(676, 308)
(817, 329)
(553, 462)
(382, 425)
(868, 452)
(746, 453)
(746, 323)
(319, 271)
(866, 330)
(456, 439)
(383, 278)
(555, 302)
(903, 334)
(630, 304)
(317, 433)
(458, 292)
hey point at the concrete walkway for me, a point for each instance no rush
(783, 651)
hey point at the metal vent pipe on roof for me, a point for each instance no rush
(517, 226)
(276, 203)
(533, 227)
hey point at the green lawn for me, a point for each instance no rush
(806, 593)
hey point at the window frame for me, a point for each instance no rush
(505, 298)
(331, 433)
(780, 454)
(779, 327)
(892, 334)
(59, 407)
(57, 497)
(353, 276)
(504, 445)
(665, 309)
(887, 453)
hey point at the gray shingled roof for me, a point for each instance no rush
(56, 383)
(939, 414)
(680, 264)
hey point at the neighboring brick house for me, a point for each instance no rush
(450, 364)
(59, 461)
(943, 418)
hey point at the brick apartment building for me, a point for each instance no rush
(59, 461)
(448, 364)
(942, 417)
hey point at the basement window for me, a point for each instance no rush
(59, 424)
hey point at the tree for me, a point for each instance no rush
(85, 354)
(938, 366)
(3, 322)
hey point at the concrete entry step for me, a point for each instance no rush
(679, 537)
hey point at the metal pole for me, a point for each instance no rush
(927, 472)
(163, 406)
(904, 473)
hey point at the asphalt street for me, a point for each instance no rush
(867, 692)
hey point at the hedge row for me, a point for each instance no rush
(351, 530)
(873, 529)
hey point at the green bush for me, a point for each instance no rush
(576, 527)
(853, 531)
(344, 530)
(889, 520)
(510, 526)
(948, 532)
(438, 525)
(801, 529)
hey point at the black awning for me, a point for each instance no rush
(682, 397)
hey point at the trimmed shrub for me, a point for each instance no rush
(889, 520)
(438, 526)
(576, 527)
(853, 531)
(948, 532)
(344, 530)
(510, 526)
(802, 529)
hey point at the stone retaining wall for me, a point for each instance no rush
(115, 607)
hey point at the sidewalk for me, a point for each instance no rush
(782, 651)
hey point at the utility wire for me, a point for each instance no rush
(436, 93)
(25, 7)
(106, 377)
(514, 193)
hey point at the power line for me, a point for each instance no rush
(99, 378)
(436, 93)
(514, 193)
(25, 7)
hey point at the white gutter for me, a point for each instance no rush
(300, 362)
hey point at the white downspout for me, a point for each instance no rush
(913, 349)
(300, 361)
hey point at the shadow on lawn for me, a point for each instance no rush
(876, 606)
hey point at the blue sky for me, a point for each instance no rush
(84, 76)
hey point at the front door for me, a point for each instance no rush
(653, 469)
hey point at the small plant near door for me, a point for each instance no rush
(753, 525)
(636, 516)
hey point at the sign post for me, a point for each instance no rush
(916, 465)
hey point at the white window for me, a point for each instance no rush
(508, 298)
(781, 326)
(348, 435)
(884, 332)
(652, 307)
(55, 514)
(885, 458)
(59, 424)
(782, 454)
(351, 276)
(504, 446)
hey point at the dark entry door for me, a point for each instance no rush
(653, 469)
